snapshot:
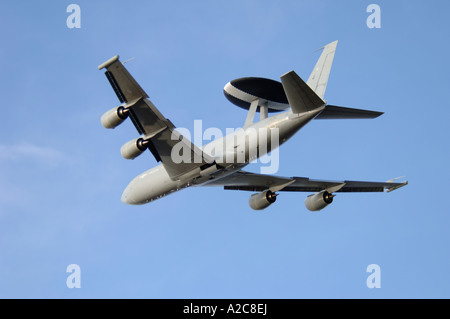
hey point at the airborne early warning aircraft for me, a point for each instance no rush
(301, 103)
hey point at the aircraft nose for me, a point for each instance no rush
(148, 186)
(136, 192)
(128, 196)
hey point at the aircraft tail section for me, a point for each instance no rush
(318, 79)
(300, 96)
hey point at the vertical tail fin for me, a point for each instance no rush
(318, 79)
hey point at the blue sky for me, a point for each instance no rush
(61, 173)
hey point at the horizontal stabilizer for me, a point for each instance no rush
(332, 112)
(300, 96)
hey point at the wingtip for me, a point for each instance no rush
(109, 62)
(397, 185)
(378, 114)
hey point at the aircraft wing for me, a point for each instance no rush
(151, 124)
(246, 181)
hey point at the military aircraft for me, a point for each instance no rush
(296, 102)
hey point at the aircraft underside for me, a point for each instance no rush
(221, 162)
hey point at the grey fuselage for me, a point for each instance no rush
(156, 182)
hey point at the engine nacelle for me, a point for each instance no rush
(133, 148)
(262, 200)
(114, 117)
(318, 201)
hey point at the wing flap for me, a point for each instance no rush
(146, 118)
(242, 180)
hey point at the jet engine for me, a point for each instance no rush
(114, 117)
(262, 200)
(134, 148)
(318, 201)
